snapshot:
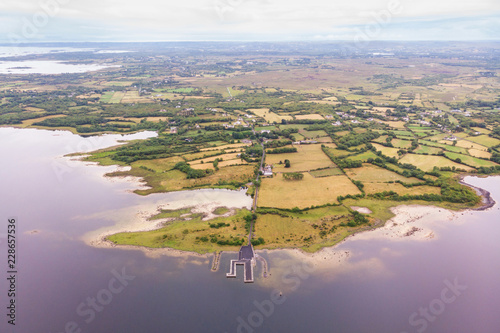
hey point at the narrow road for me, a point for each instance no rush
(254, 206)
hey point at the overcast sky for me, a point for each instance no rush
(165, 20)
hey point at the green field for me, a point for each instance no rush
(429, 162)
(469, 160)
(326, 172)
(427, 150)
(484, 140)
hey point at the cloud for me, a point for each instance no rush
(250, 19)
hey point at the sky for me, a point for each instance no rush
(247, 20)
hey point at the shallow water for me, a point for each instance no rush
(380, 287)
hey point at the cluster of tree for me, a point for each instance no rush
(490, 170)
(232, 241)
(257, 241)
(293, 176)
(190, 172)
(342, 163)
(218, 225)
(282, 150)
(249, 219)
(277, 143)
(454, 192)
(358, 219)
(356, 139)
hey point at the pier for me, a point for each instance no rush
(246, 257)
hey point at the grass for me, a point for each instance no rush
(185, 233)
(117, 97)
(387, 151)
(484, 140)
(479, 153)
(337, 152)
(326, 172)
(363, 157)
(307, 157)
(270, 117)
(304, 229)
(444, 146)
(313, 134)
(280, 193)
(309, 116)
(427, 150)
(470, 145)
(374, 174)
(398, 143)
(429, 162)
(469, 160)
(371, 188)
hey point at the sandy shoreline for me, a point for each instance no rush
(411, 222)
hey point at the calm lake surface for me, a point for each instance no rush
(385, 286)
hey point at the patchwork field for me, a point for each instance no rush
(374, 174)
(280, 193)
(469, 160)
(309, 116)
(268, 116)
(484, 140)
(372, 188)
(427, 150)
(307, 157)
(387, 151)
(429, 162)
(326, 172)
(319, 226)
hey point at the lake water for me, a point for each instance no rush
(448, 284)
(47, 67)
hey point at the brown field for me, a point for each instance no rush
(467, 144)
(396, 124)
(269, 116)
(371, 188)
(309, 116)
(234, 146)
(484, 140)
(374, 174)
(307, 157)
(29, 122)
(280, 193)
(387, 151)
(479, 153)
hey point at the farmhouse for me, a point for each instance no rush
(267, 170)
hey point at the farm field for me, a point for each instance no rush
(429, 162)
(469, 160)
(372, 188)
(309, 116)
(387, 151)
(326, 172)
(280, 193)
(316, 225)
(484, 140)
(307, 157)
(268, 116)
(427, 150)
(374, 174)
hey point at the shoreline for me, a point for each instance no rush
(488, 201)
(409, 222)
